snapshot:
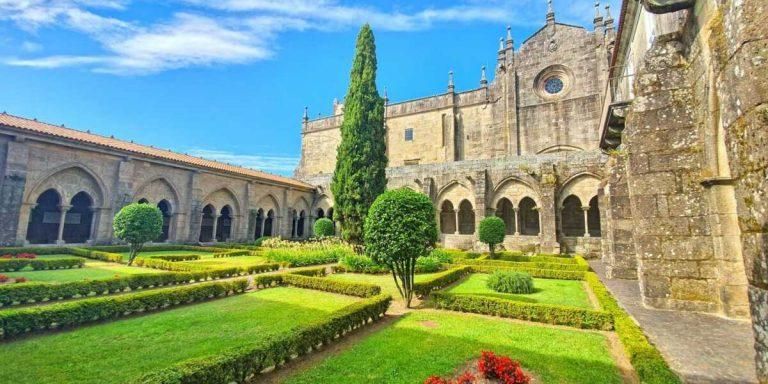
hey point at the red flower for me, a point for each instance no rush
(26, 256)
(502, 368)
(466, 378)
(4, 278)
(6, 256)
(435, 380)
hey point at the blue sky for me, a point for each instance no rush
(229, 79)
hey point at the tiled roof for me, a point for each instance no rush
(37, 127)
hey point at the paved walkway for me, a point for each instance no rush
(701, 348)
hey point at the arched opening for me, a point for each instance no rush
(300, 224)
(206, 225)
(294, 219)
(330, 214)
(269, 223)
(320, 213)
(43, 227)
(79, 218)
(224, 224)
(593, 218)
(529, 217)
(165, 208)
(143, 201)
(447, 218)
(572, 217)
(506, 212)
(466, 218)
(258, 230)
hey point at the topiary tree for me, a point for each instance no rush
(399, 228)
(361, 158)
(324, 227)
(137, 224)
(491, 232)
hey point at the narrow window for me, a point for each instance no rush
(409, 134)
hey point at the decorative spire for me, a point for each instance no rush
(483, 79)
(550, 12)
(510, 40)
(306, 114)
(501, 44)
(608, 16)
(450, 81)
(597, 10)
(386, 98)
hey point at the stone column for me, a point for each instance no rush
(215, 227)
(586, 220)
(263, 220)
(517, 220)
(25, 212)
(456, 218)
(172, 227)
(548, 217)
(62, 222)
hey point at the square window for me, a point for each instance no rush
(409, 134)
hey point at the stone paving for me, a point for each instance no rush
(718, 350)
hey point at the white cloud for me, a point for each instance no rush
(31, 47)
(204, 32)
(269, 163)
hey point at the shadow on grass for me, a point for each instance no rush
(426, 343)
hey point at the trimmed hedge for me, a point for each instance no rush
(244, 363)
(540, 273)
(650, 366)
(232, 254)
(540, 313)
(157, 263)
(35, 250)
(317, 283)
(441, 280)
(306, 257)
(174, 258)
(15, 322)
(15, 294)
(526, 264)
(536, 259)
(311, 271)
(10, 265)
(96, 254)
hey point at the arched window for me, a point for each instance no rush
(43, 227)
(300, 224)
(258, 230)
(320, 213)
(268, 223)
(330, 214)
(224, 225)
(506, 212)
(77, 225)
(529, 217)
(143, 201)
(447, 218)
(466, 218)
(206, 225)
(572, 217)
(593, 218)
(165, 208)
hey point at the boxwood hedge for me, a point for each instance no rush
(318, 283)
(16, 322)
(10, 265)
(440, 280)
(244, 363)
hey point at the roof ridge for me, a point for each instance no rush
(130, 146)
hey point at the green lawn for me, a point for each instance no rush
(203, 254)
(430, 342)
(548, 291)
(93, 270)
(385, 281)
(123, 350)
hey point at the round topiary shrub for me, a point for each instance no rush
(510, 282)
(324, 227)
(491, 232)
(137, 224)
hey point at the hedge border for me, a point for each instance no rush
(317, 283)
(540, 313)
(218, 255)
(534, 272)
(243, 363)
(17, 322)
(441, 280)
(15, 265)
(528, 265)
(33, 292)
(648, 362)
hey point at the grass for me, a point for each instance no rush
(238, 261)
(430, 342)
(203, 254)
(123, 350)
(93, 270)
(384, 281)
(547, 291)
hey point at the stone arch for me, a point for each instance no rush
(454, 192)
(528, 217)
(166, 208)
(207, 222)
(224, 223)
(447, 218)
(224, 196)
(505, 210)
(78, 224)
(593, 218)
(572, 216)
(267, 202)
(43, 225)
(269, 223)
(559, 148)
(583, 185)
(514, 189)
(466, 218)
(68, 180)
(158, 189)
(323, 202)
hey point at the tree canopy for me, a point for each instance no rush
(137, 224)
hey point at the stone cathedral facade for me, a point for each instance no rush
(524, 146)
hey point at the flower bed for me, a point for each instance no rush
(241, 364)
(492, 368)
(16, 322)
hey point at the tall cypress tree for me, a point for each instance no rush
(361, 159)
